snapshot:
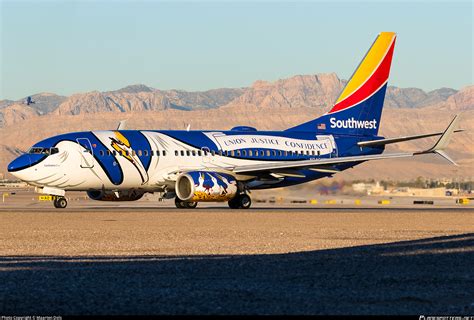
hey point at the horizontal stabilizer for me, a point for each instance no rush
(445, 155)
(381, 142)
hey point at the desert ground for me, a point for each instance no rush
(151, 258)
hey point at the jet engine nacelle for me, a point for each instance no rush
(195, 186)
(112, 196)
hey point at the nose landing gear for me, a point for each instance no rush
(60, 202)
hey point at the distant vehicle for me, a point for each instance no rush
(29, 101)
(194, 166)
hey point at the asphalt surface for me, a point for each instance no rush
(148, 260)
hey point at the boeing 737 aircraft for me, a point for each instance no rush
(219, 165)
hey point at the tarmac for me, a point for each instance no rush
(148, 257)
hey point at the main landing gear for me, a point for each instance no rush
(240, 201)
(60, 202)
(180, 204)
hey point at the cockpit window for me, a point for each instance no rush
(47, 151)
(36, 150)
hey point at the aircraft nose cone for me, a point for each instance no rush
(19, 163)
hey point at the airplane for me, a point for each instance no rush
(194, 166)
(29, 101)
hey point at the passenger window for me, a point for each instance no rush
(286, 153)
(199, 153)
(145, 152)
(232, 153)
(182, 153)
(102, 153)
(158, 153)
(250, 153)
(268, 153)
(176, 153)
(238, 153)
(212, 152)
(188, 153)
(244, 153)
(312, 152)
(114, 152)
(319, 153)
(139, 153)
(220, 152)
(307, 152)
(164, 153)
(194, 153)
(108, 152)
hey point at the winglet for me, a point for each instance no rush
(443, 141)
(445, 155)
(121, 125)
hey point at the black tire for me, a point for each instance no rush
(180, 204)
(191, 205)
(241, 201)
(233, 203)
(60, 203)
(244, 201)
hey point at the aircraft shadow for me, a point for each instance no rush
(426, 276)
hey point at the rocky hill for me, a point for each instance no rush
(134, 98)
(314, 91)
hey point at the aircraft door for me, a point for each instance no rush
(206, 154)
(87, 155)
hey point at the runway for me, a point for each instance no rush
(147, 259)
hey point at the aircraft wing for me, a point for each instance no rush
(324, 165)
(309, 164)
(380, 142)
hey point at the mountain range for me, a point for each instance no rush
(265, 105)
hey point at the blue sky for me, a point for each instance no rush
(67, 47)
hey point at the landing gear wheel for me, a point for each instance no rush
(60, 203)
(241, 201)
(244, 201)
(191, 205)
(233, 204)
(180, 204)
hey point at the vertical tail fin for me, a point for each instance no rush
(358, 109)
